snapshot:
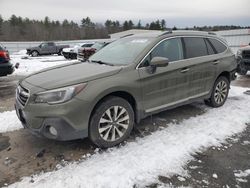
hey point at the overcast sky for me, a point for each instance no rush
(180, 13)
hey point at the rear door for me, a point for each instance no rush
(167, 85)
(202, 65)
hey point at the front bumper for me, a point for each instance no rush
(243, 64)
(81, 57)
(6, 69)
(69, 122)
(69, 55)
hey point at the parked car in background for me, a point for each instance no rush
(46, 48)
(71, 53)
(6, 66)
(84, 53)
(243, 60)
(128, 80)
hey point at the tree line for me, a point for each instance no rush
(17, 28)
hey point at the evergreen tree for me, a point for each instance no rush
(139, 26)
(130, 24)
(1, 23)
(163, 24)
(125, 25)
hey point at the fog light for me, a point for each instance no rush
(53, 131)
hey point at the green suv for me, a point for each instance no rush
(126, 81)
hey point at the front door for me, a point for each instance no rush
(167, 85)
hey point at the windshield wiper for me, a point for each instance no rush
(102, 63)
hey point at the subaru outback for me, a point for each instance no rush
(128, 80)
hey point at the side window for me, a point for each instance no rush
(195, 47)
(50, 44)
(171, 49)
(210, 49)
(219, 47)
(44, 45)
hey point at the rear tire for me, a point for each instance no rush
(111, 122)
(219, 93)
(242, 69)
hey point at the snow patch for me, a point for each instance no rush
(215, 176)
(29, 65)
(21, 52)
(164, 152)
(9, 122)
(242, 174)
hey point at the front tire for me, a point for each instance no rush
(34, 53)
(60, 52)
(111, 122)
(219, 93)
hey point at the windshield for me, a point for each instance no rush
(121, 52)
(98, 46)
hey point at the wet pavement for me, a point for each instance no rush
(22, 154)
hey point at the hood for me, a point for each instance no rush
(70, 74)
(68, 49)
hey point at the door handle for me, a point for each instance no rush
(215, 62)
(184, 70)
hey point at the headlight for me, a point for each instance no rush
(60, 95)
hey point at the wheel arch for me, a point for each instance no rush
(123, 94)
(38, 53)
(225, 74)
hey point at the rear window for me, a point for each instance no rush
(1, 47)
(195, 47)
(218, 46)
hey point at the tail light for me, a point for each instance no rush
(5, 55)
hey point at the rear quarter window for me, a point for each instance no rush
(210, 49)
(218, 46)
(195, 47)
(1, 47)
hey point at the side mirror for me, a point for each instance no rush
(159, 62)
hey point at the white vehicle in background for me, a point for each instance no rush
(71, 53)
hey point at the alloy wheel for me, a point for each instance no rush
(221, 90)
(114, 123)
(34, 54)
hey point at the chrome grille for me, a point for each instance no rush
(22, 95)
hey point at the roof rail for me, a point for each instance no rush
(126, 35)
(166, 32)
